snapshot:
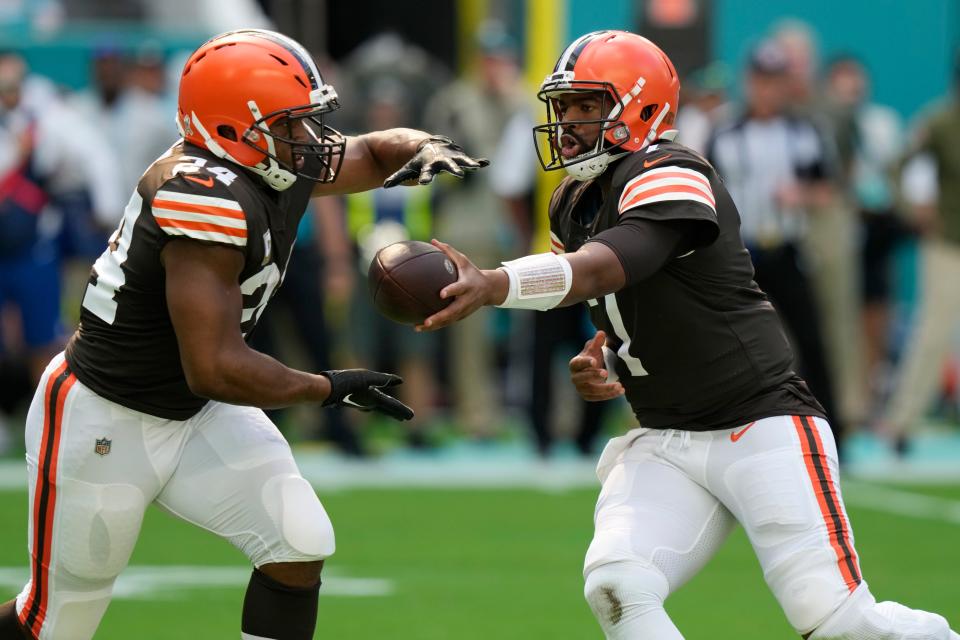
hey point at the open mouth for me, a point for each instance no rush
(570, 146)
(298, 161)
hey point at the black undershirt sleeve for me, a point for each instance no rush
(645, 246)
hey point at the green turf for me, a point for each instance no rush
(485, 564)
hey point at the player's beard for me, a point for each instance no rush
(572, 144)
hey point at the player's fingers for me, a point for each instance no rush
(599, 392)
(454, 289)
(451, 166)
(382, 380)
(406, 172)
(426, 175)
(390, 406)
(598, 340)
(578, 363)
(467, 162)
(458, 258)
(461, 307)
(588, 376)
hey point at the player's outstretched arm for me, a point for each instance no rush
(630, 251)
(594, 271)
(205, 305)
(397, 156)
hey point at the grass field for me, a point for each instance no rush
(469, 564)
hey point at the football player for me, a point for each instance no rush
(157, 398)
(644, 231)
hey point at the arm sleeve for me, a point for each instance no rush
(198, 207)
(644, 246)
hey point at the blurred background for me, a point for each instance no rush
(836, 126)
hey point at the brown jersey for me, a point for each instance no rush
(125, 348)
(698, 344)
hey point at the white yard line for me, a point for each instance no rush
(900, 502)
(170, 582)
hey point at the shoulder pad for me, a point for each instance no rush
(197, 205)
(662, 173)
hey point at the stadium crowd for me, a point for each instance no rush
(852, 218)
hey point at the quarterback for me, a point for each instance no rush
(644, 231)
(157, 397)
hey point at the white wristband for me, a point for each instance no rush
(537, 282)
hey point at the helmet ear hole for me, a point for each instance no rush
(228, 132)
(648, 112)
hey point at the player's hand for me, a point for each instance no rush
(589, 375)
(471, 291)
(435, 155)
(361, 389)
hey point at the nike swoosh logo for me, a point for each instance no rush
(736, 435)
(347, 399)
(208, 182)
(649, 163)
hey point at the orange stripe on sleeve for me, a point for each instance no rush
(201, 226)
(650, 177)
(678, 189)
(186, 207)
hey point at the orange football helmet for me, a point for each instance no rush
(634, 74)
(238, 85)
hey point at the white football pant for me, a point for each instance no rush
(670, 498)
(94, 466)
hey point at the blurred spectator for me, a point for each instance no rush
(210, 16)
(797, 41)
(869, 140)
(374, 220)
(52, 182)
(775, 167)
(126, 104)
(386, 57)
(929, 344)
(704, 106)
(484, 113)
(830, 239)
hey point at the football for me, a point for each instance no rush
(405, 279)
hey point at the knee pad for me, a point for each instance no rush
(620, 591)
(301, 520)
(861, 617)
(98, 527)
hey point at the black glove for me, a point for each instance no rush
(361, 389)
(435, 155)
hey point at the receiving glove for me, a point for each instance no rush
(361, 389)
(435, 155)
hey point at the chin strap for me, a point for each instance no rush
(652, 134)
(275, 175)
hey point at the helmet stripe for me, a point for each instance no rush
(576, 46)
(569, 58)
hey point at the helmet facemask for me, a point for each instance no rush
(613, 132)
(316, 149)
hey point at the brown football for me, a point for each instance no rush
(405, 279)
